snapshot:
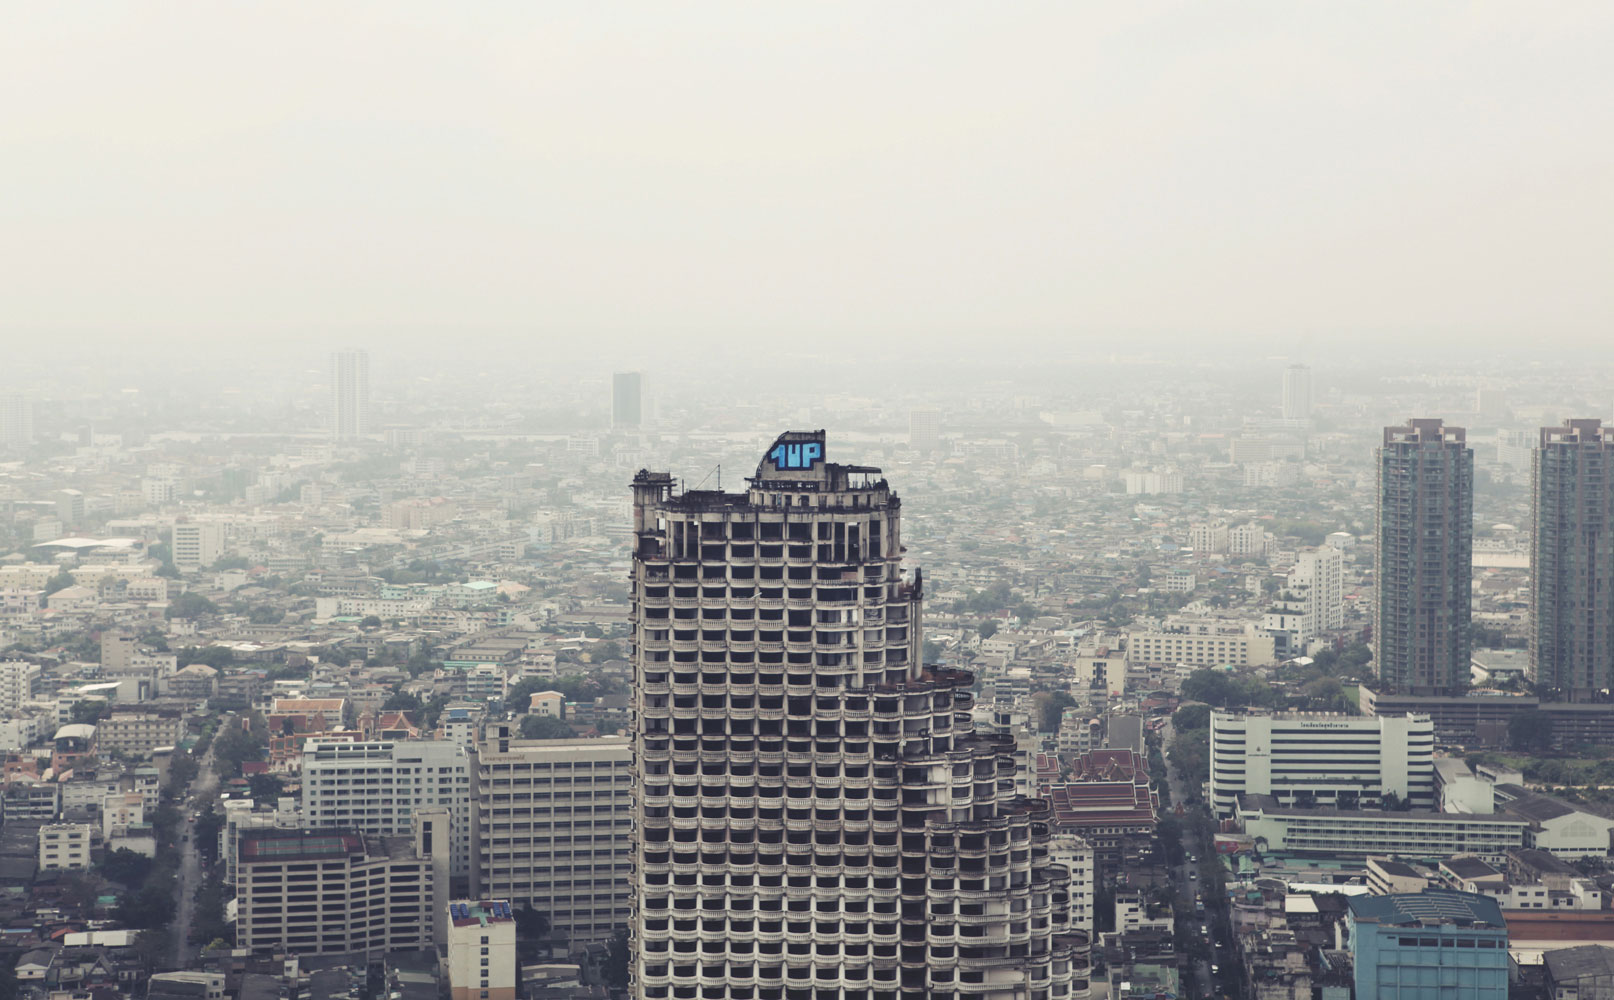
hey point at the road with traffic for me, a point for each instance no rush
(203, 786)
(1218, 975)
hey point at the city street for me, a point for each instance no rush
(190, 866)
(1199, 981)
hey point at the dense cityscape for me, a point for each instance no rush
(1154, 678)
(807, 501)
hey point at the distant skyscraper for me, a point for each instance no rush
(350, 395)
(1491, 405)
(1297, 393)
(627, 400)
(924, 430)
(1425, 506)
(809, 799)
(16, 420)
(1572, 559)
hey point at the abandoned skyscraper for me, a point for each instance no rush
(816, 817)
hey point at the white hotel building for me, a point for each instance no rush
(1315, 758)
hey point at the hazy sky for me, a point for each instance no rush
(616, 169)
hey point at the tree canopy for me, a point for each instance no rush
(191, 606)
(544, 727)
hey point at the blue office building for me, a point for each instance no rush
(1432, 945)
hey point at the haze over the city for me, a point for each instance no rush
(830, 501)
(612, 177)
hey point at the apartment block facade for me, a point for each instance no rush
(375, 788)
(1572, 559)
(553, 821)
(138, 731)
(1425, 539)
(320, 892)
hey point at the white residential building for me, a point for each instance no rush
(375, 787)
(1202, 646)
(241, 816)
(1247, 540)
(120, 811)
(196, 545)
(376, 894)
(553, 818)
(1320, 573)
(486, 682)
(1363, 832)
(1208, 538)
(1076, 854)
(65, 846)
(24, 730)
(19, 682)
(481, 950)
(1176, 583)
(1311, 603)
(1315, 758)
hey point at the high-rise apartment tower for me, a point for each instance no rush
(1297, 393)
(349, 405)
(1425, 506)
(1572, 559)
(16, 420)
(816, 817)
(924, 430)
(627, 400)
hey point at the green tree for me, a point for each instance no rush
(232, 562)
(264, 788)
(520, 697)
(532, 928)
(236, 745)
(154, 947)
(1050, 707)
(217, 657)
(131, 868)
(1213, 687)
(988, 628)
(182, 770)
(191, 606)
(401, 701)
(88, 711)
(593, 632)
(209, 923)
(1530, 732)
(544, 727)
(206, 829)
(1191, 717)
(151, 906)
(616, 960)
(61, 581)
(1190, 755)
(370, 621)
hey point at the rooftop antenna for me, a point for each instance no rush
(718, 471)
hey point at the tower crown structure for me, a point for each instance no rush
(815, 816)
